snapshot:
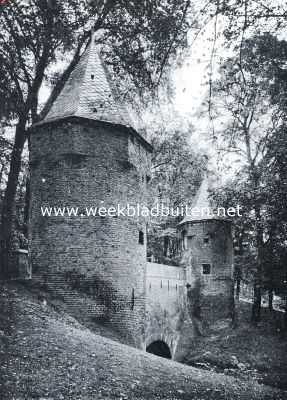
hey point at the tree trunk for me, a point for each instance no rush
(256, 307)
(238, 282)
(270, 299)
(165, 246)
(8, 207)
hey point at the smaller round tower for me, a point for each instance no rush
(207, 254)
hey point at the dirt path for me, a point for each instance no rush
(48, 356)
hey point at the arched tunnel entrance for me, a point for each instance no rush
(159, 348)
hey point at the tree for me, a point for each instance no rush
(140, 39)
(243, 97)
(176, 175)
(275, 176)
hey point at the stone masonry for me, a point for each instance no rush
(84, 154)
(80, 159)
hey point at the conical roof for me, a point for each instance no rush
(90, 93)
(201, 202)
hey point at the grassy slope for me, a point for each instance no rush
(260, 352)
(49, 355)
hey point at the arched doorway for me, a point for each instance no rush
(159, 348)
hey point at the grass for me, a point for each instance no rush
(48, 353)
(247, 351)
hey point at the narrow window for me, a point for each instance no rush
(167, 285)
(133, 300)
(92, 76)
(141, 237)
(206, 239)
(206, 268)
(161, 284)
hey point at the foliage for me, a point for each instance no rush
(139, 37)
(177, 173)
(251, 98)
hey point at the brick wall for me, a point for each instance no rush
(82, 163)
(208, 245)
(166, 316)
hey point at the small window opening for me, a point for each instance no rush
(161, 284)
(148, 178)
(206, 239)
(95, 110)
(92, 76)
(133, 300)
(206, 269)
(141, 237)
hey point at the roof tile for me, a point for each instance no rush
(90, 93)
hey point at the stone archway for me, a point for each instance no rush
(159, 348)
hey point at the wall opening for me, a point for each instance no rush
(159, 348)
(141, 237)
(206, 239)
(206, 269)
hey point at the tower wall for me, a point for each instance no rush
(208, 257)
(82, 163)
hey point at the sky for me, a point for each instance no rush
(192, 89)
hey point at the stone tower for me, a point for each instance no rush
(207, 254)
(84, 154)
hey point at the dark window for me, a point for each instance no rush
(206, 239)
(141, 237)
(92, 76)
(206, 269)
